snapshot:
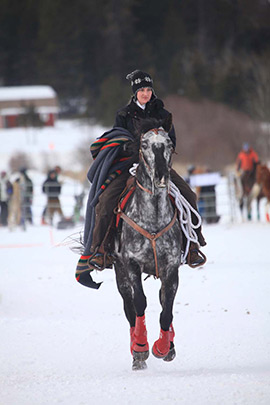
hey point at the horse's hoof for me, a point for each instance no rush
(140, 356)
(172, 353)
(138, 365)
(157, 354)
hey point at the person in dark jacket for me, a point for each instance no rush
(27, 196)
(143, 104)
(6, 191)
(52, 188)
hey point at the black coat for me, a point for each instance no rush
(51, 187)
(154, 109)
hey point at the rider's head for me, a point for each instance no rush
(141, 82)
(246, 147)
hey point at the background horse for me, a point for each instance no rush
(150, 243)
(244, 184)
(262, 188)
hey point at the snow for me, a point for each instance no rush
(62, 343)
(53, 145)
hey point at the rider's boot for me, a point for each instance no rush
(97, 261)
(195, 257)
(100, 261)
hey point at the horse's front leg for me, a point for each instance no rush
(139, 346)
(163, 348)
(126, 291)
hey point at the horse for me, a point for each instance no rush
(150, 242)
(244, 184)
(261, 188)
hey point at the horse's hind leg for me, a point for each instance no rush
(164, 346)
(267, 210)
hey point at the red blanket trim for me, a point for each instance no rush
(123, 204)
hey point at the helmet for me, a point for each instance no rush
(245, 146)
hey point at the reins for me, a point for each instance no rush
(151, 236)
(143, 188)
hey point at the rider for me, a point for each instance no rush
(143, 104)
(247, 159)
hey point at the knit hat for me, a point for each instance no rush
(139, 79)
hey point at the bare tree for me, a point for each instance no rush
(258, 98)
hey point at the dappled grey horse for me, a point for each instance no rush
(150, 243)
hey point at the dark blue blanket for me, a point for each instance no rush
(104, 168)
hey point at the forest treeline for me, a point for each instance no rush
(214, 49)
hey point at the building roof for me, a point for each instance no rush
(18, 99)
(26, 93)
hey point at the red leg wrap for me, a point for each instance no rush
(161, 346)
(140, 343)
(172, 334)
(132, 330)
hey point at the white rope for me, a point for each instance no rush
(133, 169)
(184, 214)
(185, 210)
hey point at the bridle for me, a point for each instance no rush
(151, 236)
(141, 157)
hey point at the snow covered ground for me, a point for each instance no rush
(62, 343)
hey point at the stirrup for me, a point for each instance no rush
(200, 253)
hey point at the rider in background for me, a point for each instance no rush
(143, 104)
(247, 159)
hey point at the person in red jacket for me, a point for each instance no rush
(247, 159)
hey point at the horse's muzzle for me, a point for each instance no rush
(162, 183)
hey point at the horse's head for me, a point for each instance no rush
(156, 150)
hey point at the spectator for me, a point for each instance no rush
(15, 213)
(26, 196)
(5, 194)
(52, 188)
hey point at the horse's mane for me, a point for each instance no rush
(144, 125)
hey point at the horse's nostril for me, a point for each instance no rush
(161, 183)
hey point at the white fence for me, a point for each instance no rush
(222, 202)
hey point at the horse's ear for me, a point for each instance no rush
(167, 123)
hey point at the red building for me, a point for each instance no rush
(25, 106)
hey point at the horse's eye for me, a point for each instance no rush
(143, 145)
(170, 145)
